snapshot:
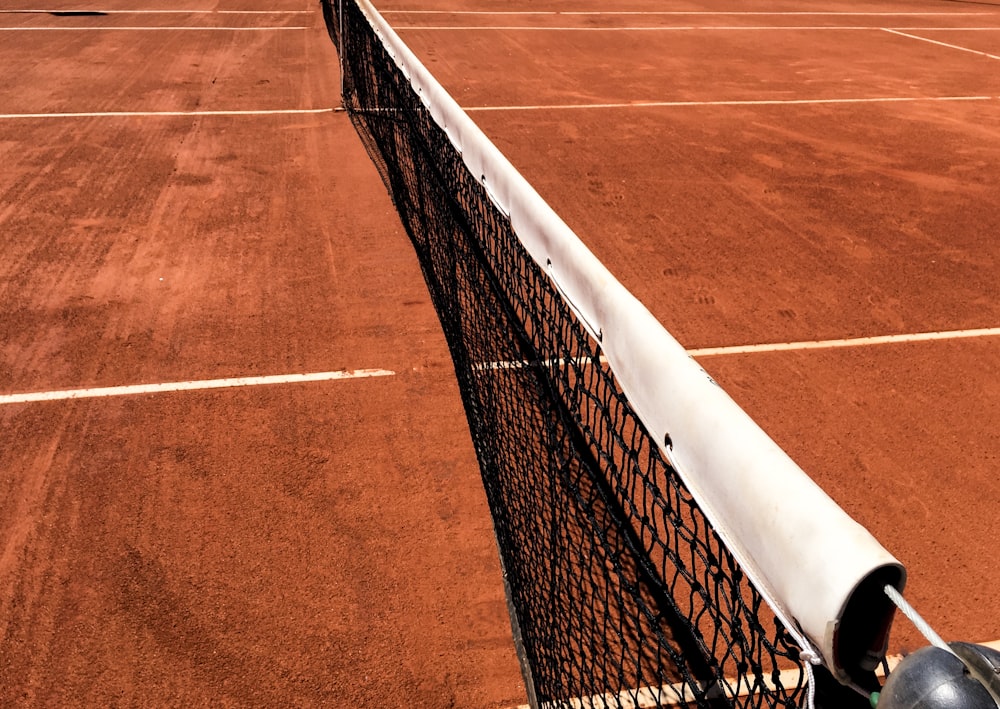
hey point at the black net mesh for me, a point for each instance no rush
(622, 595)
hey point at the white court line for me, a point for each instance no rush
(695, 28)
(852, 342)
(692, 28)
(191, 385)
(158, 12)
(696, 13)
(748, 102)
(104, 114)
(150, 29)
(768, 347)
(941, 44)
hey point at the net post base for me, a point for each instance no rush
(831, 694)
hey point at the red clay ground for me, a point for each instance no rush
(746, 224)
(329, 543)
(313, 544)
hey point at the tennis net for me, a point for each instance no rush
(623, 590)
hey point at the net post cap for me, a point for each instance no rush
(933, 678)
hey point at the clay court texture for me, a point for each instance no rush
(805, 195)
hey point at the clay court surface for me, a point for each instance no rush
(178, 202)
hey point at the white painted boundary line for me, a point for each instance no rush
(758, 102)
(158, 12)
(147, 29)
(113, 114)
(676, 694)
(690, 28)
(192, 385)
(482, 109)
(773, 347)
(689, 13)
(940, 44)
(677, 28)
(853, 342)
(940, 29)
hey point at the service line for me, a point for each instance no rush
(161, 388)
